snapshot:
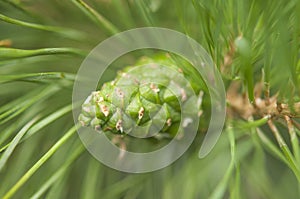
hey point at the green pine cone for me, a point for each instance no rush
(144, 99)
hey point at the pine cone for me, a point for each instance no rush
(143, 99)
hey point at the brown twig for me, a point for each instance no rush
(239, 105)
(290, 127)
(276, 133)
(267, 94)
(228, 58)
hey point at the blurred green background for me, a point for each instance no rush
(42, 44)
